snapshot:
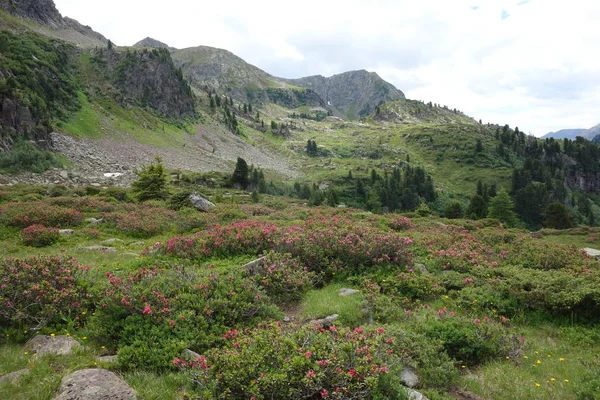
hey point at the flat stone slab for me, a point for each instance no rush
(348, 292)
(14, 376)
(44, 344)
(94, 384)
(414, 395)
(325, 322)
(99, 249)
(66, 232)
(592, 252)
(108, 359)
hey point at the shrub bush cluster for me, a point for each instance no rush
(34, 291)
(24, 214)
(39, 235)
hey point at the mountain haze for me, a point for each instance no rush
(564, 133)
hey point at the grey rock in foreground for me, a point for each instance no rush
(325, 322)
(99, 249)
(348, 292)
(409, 377)
(59, 345)
(414, 395)
(200, 203)
(592, 252)
(94, 384)
(14, 376)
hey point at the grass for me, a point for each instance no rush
(327, 301)
(550, 367)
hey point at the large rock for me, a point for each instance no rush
(14, 376)
(409, 377)
(348, 292)
(99, 249)
(414, 395)
(253, 267)
(94, 384)
(592, 252)
(200, 203)
(44, 344)
(325, 322)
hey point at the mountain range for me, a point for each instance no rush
(110, 109)
(573, 133)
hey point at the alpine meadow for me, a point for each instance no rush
(177, 223)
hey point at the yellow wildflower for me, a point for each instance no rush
(561, 359)
(537, 385)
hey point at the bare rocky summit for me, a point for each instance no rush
(149, 42)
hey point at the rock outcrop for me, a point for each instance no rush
(59, 345)
(94, 384)
(42, 11)
(149, 42)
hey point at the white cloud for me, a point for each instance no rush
(532, 64)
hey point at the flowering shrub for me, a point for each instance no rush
(22, 215)
(284, 278)
(176, 308)
(308, 362)
(542, 255)
(329, 244)
(142, 222)
(35, 290)
(39, 235)
(401, 223)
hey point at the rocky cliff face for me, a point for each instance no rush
(355, 94)
(412, 111)
(149, 79)
(42, 11)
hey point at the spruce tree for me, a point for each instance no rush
(240, 174)
(151, 183)
(501, 208)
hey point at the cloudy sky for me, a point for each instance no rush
(534, 64)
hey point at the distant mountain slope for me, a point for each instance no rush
(30, 13)
(412, 111)
(354, 93)
(149, 42)
(592, 132)
(564, 133)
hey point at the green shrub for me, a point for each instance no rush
(151, 182)
(39, 235)
(34, 291)
(26, 156)
(22, 215)
(117, 193)
(306, 362)
(284, 278)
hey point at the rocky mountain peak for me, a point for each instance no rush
(149, 42)
(42, 11)
(354, 93)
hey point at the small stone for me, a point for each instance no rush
(66, 232)
(94, 221)
(99, 249)
(189, 354)
(112, 240)
(253, 266)
(422, 268)
(287, 319)
(414, 395)
(325, 322)
(44, 344)
(64, 174)
(108, 359)
(409, 377)
(348, 292)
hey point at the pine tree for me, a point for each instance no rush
(477, 207)
(110, 45)
(557, 216)
(240, 174)
(501, 208)
(151, 182)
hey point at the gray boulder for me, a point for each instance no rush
(94, 384)
(414, 395)
(66, 232)
(13, 376)
(44, 344)
(592, 252)
(325, 322)
(422, 268)
(200, 203)
(348, 292)
(409, 377)
(99, 249)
